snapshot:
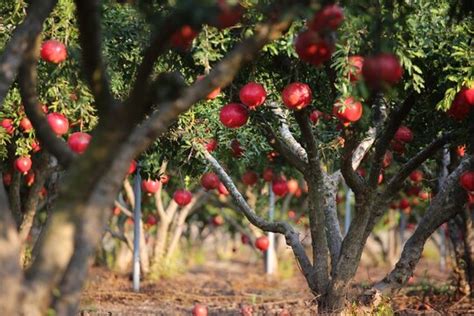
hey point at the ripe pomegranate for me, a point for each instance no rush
(228, 16)
(214, 93)
(217, 220)
(30, 178)
(415, 201)
(7, 178)
(461, 150)
(280, 187)
(327, 19)
(403, 134)
(7, 124)
(387, 159)
(291, 214)
(23, 164)
(311, 48)
(58, 122)
(382, 69)
(267, 175)
(466, 180)
(272, 155)
(210, 181)
(237, 150)
(35, 146)
(262, 243)
(183, 38)
(252, 95)
(413, 191)
(249, 178)
(150, 186)
(398, 147)
(200, 310)
(348, 111)
(211, 145)
(293, 186)
(182, 197)
(132, 167)
(416, 176)
(459, 109)
(356, 63)
(151, 220)
(25, 125)
(53, 51)
(314, 116)
(424, 195)
(78, 142)
(297, 95)
(234, 115)
(404, 204)
(164, 178)
(222, 189)
(468, 95)
(245, 239)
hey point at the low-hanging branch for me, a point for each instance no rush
(292, 237)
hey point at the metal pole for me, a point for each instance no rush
(137, 214)
(270, 253)
(348, 209)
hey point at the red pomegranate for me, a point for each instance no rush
(200, 310)
(348, 111)
(132, 167)
(404, 204)
(272, 155)
(217, 220)
(387, 159)
(311, 48)
(267, 175)
(413, 191)
(466, 180)
(403, 134)
(468, 95)
(214, 93)
(25, 125)
(314, 116)
(236, 149)
(78, 142)
(327, 19)
(228, 16)
(150, 186)
(293, 186)
(424, 195)
(382, 69)
(245, 239)
(7, 178)
(210, 181)
(280, 187)
(459, 109)
(262, 243)
(23, 164)
(35, 146)
(30, 178)
(164, 178)
(7, 124)
(182, 197)
(252, 95)
(461, 150)
(58, 122)
(361, 171)
(398, 147)
(222, 189)
(211, 145)
(291, 214)
(356, 63)
(416, 176)
(183, 38)
(297, 95)
(249, 178)
(234, 115)
(53, 51)
(151, 220)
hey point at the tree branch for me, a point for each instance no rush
(23, 35)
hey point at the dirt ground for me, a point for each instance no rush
(227, 286)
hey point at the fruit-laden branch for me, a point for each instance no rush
(396, 182)
(446, 204)
(10, 273)
(292, 237)
(28, 82)
(317, 219)
(287, 136)
(90, 37)
(394, 121)
(24, 34)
